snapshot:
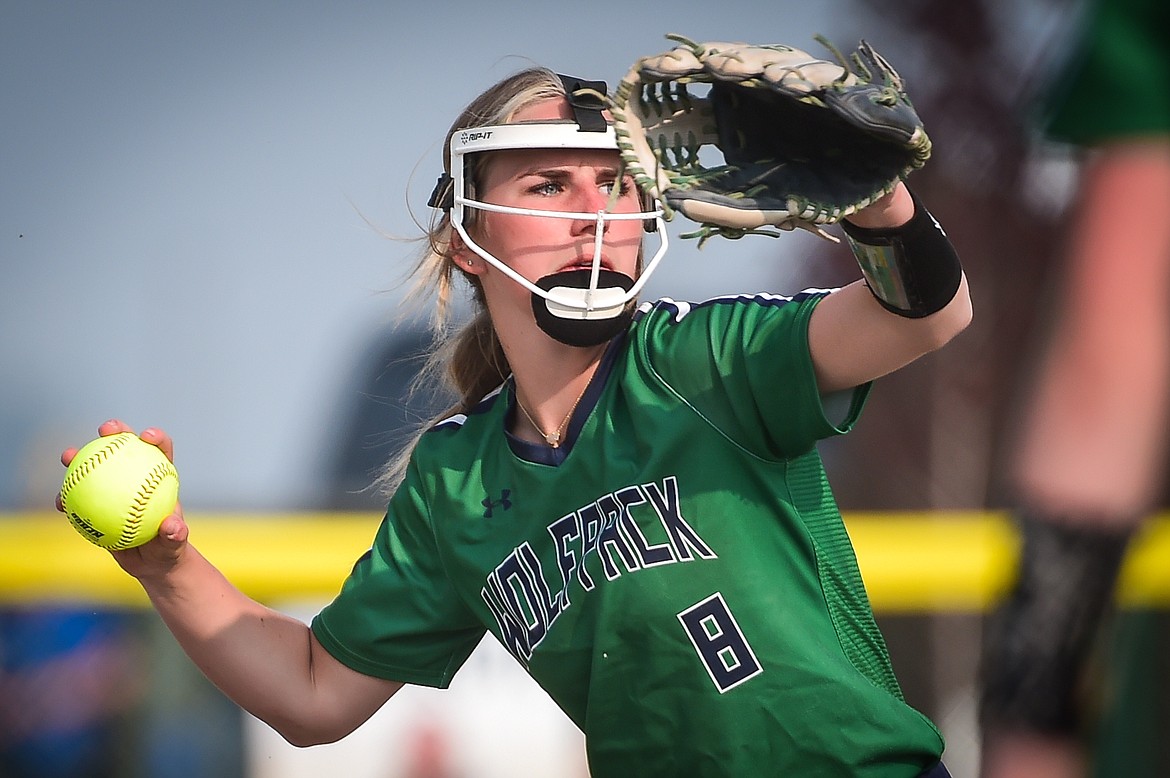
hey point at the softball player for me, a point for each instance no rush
(627, 497)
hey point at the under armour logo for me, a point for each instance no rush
(490, 505)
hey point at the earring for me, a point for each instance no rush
(471, 263)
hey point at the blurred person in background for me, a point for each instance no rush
(1089, 462)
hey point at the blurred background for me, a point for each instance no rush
(207, 212)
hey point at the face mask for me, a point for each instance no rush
(607, 298)
(578, 307)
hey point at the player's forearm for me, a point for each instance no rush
(853, 339)
(893, 210)
(914, 298)
(258, 657)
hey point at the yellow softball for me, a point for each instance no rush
(118, 489)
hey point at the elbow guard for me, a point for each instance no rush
(912, 270)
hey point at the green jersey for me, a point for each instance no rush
(676, 576)
(1116, 83)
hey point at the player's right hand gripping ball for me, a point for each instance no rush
(118, 489)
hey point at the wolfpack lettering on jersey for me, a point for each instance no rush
(518, 594)
(676, 575)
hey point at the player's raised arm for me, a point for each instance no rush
(806, 143)
(268, 663)
(913, 298)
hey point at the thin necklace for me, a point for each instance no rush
(553, 438)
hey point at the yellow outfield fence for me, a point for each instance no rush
(916, 562)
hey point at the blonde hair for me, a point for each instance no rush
(469, 361)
